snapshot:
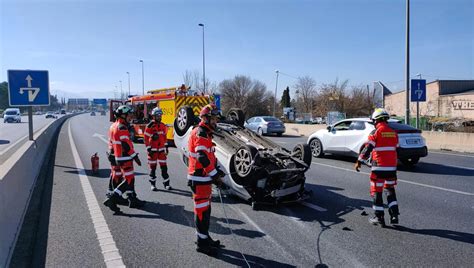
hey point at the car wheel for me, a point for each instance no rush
(243, 161)
(237, 117)
(410, 162)
(279, 134)
(260, 131)
(316, 147)
(303, 153)
(184, 120)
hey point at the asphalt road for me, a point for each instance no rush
(436, 205)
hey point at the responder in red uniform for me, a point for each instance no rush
(115, 173)
(202, 172)
(382, 146)
(157, 148)
(124, 157)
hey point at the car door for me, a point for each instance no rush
(249, 123)
(356, 135)
(257, 124)
(335, 138)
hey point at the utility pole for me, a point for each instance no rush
(407, 66)
(275, 97)
(128, 83)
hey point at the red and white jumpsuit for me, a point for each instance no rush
(382, 144)
(201, 171)
(124, 154)
(115, 172)
(156, 145)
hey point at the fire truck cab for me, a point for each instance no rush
(169, 100)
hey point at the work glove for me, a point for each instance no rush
(167, 151)
(137, 160)
(149, 150)
(357, 165)
(217, 180)
(220, 172)
(154, 137)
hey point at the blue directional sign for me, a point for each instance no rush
(28, 88)
(99, 101)
(418, 90)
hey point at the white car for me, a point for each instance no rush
(259, 171)
(12, 115)
(348, 136)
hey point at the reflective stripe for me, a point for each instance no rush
(383, 149)
(379, 184)
(377, 208)
(118, 191)
(213, 172)
(160, 132)
(151, 161)
(133, 155)
(195, 155)
(384, 168)
(372, 183)
(154, 149)
(197, 178)
(202, 205)
(116, 142)
(390, 182)
(118, 173)
(167, 180)
(161, 161)
(123, 158)
(202, 236)
(124, 137)
(371, 142)
(393, 203)
(147, 134)
(128, 173)
(162, 149)
(148, 146)
(201, 147)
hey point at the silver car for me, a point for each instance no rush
(265, 125)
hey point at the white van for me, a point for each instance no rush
(12, 115)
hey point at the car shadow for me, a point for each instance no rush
(178, 215)
(448, 234)
(430, 168)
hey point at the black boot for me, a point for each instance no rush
(111, 202)
(134, 202)
(377, 220)
(153, 184)
(167, 185)
(203, 246)
(214, 243)
(394, 219)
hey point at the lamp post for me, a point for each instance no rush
(143, 78)
(121, 91)
(203, 60)
(407, 65)
(128, 83)
(275, 97)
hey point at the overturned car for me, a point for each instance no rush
(258, 170)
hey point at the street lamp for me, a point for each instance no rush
(203, 59)
(143, 78)
(275, 97)
(128, 83)
(121, 91)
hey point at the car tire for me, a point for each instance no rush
(236, 116)
(243, 160)
(260, 131)
(184, 120)
(410, 162)
(279, 134)
(316, 148)
(303, 153)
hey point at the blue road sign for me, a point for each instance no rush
(418, 90)
(99, 101)
(28, 88)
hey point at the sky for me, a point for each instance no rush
(88, 46)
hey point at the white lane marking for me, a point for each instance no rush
(410, 182)
(313, 206)
(102, 137)
(110, 252)
(461, 155)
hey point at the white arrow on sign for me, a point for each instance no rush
(32, 91)
(419, 92)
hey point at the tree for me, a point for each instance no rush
(194, 80)
(249, 95)
(306, 90)
(3, 95)
(285, 98)
(331, 97)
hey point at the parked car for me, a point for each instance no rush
(265, 125)
(102, 112)
(347, 137)
(63, 111)
(12, 115)
(92, 113)
(258, 170)
(50, 115)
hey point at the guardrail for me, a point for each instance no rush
(18, 177)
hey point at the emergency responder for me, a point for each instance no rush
(202, 172)
(382, 146)
(115, 173)
(124, 157)
(157, 148)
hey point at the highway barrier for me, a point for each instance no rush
(18, 177)
(452, 141)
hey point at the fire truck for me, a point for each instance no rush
(169, 100)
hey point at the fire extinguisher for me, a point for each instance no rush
(95, 163)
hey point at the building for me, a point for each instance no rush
(444, 98)
(78, 104)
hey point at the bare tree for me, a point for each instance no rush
(249, 95)
(331, 97)
(188, 78)
(305, 90)
(194, 79)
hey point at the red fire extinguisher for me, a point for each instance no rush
(95, 163)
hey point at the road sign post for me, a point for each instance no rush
(418, 93)
(28, 88)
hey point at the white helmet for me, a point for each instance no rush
(380, 113)
(157, 111)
